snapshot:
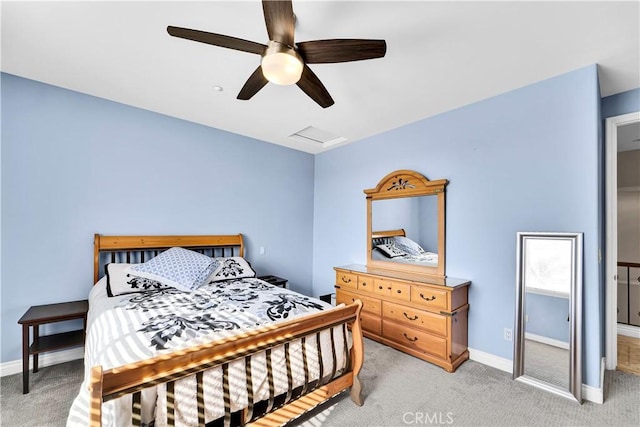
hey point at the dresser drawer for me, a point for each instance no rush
(430, 297)
(414, 338)
(431, 322)
(365, 283)
(400, 291)
(390, 288)
(369, 305)
(371, 323)
(346, 280)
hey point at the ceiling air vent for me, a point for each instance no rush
(314, 134)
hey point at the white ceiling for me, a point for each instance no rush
(440, 56)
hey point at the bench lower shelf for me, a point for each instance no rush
(57, 342)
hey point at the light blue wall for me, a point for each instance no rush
(621, 103)
(526, 160)
(523, 161)
(428, 208)
(390, 214)
(74, 165)
(547, 316)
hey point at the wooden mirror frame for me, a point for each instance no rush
(407, 183)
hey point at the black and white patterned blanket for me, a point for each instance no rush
(134, 327)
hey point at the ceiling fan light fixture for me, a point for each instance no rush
(281, 64)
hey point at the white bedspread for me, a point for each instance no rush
(425, 259)
(134, 327)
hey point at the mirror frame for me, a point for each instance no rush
(407, 183)
(574, 388)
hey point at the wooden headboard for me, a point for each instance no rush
(388, 233)
(135, 249)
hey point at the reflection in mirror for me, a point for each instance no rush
(405, 230)
(547, 345)
(406, 224)
(546, 342)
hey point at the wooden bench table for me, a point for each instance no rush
(42, 314)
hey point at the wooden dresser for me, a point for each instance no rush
(417, 314)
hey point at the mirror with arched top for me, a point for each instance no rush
(406, 224)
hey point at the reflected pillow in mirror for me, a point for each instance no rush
(407, 245)
(391, 250)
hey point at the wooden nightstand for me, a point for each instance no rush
(50, 313)
(275, 280)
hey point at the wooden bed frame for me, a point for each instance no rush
(109, 384)
(388, 233)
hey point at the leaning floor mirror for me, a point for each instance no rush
(548, 329)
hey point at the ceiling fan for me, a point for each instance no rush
(285, 62)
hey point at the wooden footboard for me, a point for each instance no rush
(168, 368)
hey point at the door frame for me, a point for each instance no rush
(611, 237)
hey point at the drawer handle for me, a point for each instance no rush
(444, 313)
(431, 298)
(399, 291)
(409, 338)
(364, 284)
(410, 318)
(379, 287)
(345, 280)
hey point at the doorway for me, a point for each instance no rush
(616, 141)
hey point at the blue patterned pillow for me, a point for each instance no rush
(177, 267)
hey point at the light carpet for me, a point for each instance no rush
(399, 390)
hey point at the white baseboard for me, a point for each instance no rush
(595, 394)
(45, 359)
(492, 360)
(546, 340)
(629, 331)
(590, 393)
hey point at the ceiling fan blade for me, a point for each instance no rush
(341, 50)
(278, 16)
(255, 82)
(217, 40)
(312, 86)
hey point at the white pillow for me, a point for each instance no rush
(231, 268)
(391, 250)
(177, 267)
(407, 245)
(120, 282)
